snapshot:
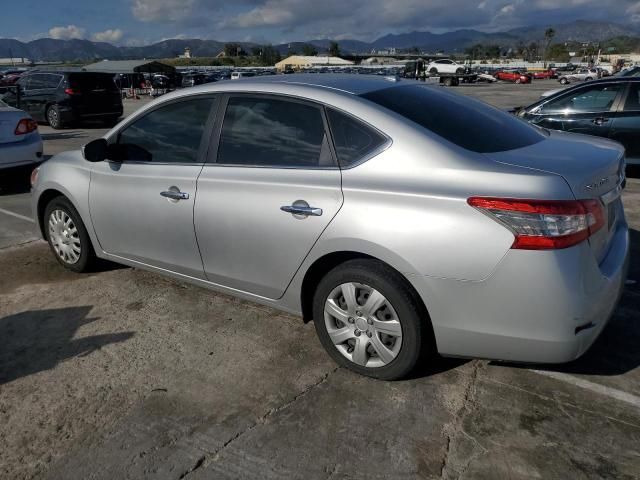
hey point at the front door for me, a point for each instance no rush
(142, 200)
(589, 110)
(270, 190)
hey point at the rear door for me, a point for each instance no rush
(267, 193)
(589, 109)
(626, 126)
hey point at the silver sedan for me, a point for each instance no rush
(402, 219)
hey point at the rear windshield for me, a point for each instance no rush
(462, 120)
(92, 81)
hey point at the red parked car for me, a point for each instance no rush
(513, 76)
(550, 73)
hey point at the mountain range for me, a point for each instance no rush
(48, 49)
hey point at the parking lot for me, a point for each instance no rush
(125, 374)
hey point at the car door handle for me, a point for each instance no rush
(175, 195)
(600, 120)
(300, 210)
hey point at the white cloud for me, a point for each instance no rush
(110, 36)
(162, 10)
(67, 33)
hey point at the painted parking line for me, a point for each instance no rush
(593, 387)
(17, 215)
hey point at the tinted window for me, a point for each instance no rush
(92, 81)
(595, 98)
(36, 81)
(353, 140)
(467, 122)
(168, 134)
(273, 133)
(52, 81)
(633, 99)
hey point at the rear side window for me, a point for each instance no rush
(170, 134)
(270, 132)
(353, 140)
(464, 121)
(632, 104)
(92, 82)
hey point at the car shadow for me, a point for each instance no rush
(35, 341)
(616, 351)
(18, 179)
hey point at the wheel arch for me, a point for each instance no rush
(325, 263)
(43, 200)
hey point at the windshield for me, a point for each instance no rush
(469, 123)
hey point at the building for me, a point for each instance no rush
(186, 54)
(15, 62)
(297, 62)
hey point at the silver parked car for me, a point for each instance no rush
(20, 142)
(401, 218)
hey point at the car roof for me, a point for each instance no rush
(347, 83)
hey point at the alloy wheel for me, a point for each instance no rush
(64, 237)
(363, 325)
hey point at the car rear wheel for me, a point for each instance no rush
(564, 81)
(369, 320)
(53, 117)
(67, 236)
(588, 78)
(433, 70)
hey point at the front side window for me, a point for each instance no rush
(353, 139)
(270, 132)
(596, 98)
(36, 82)
(169, 134)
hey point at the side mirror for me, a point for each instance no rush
(96, 150)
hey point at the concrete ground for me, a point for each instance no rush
(125, 374)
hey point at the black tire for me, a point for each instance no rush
(53, 117)
(460, 70)
(447, 82)
(87, 258)
(417, 336)
(433, 70)
(564, 81)
(588, 79)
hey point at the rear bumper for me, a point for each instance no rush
(26, 152)
(542, 307)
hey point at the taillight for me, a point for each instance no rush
(26, 125)
(544, 224)
(71, 91)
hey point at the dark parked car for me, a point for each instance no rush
(63, 98)
(193, 80)
(607, 108)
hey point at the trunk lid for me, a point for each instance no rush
(592, 167)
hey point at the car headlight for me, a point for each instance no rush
(34, 176)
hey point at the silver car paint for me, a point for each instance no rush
(407, 207)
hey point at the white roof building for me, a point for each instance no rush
(302, 61)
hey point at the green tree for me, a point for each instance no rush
(256, 51)
(334, 49)
(234, 50)
(309, 50)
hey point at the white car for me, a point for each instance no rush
(20, 142)
(583, 74)
(444, 66)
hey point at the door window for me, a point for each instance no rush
(353, 139)
(52, 81)
(36, 82)
(632, 104)
(596, 98)
(169, 134)
(270, 132)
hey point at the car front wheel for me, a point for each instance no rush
(67, 236)
(369, 320)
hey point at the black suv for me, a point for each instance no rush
(63, 98)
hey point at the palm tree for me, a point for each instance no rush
(549, 33)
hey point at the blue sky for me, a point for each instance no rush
(136, 22)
